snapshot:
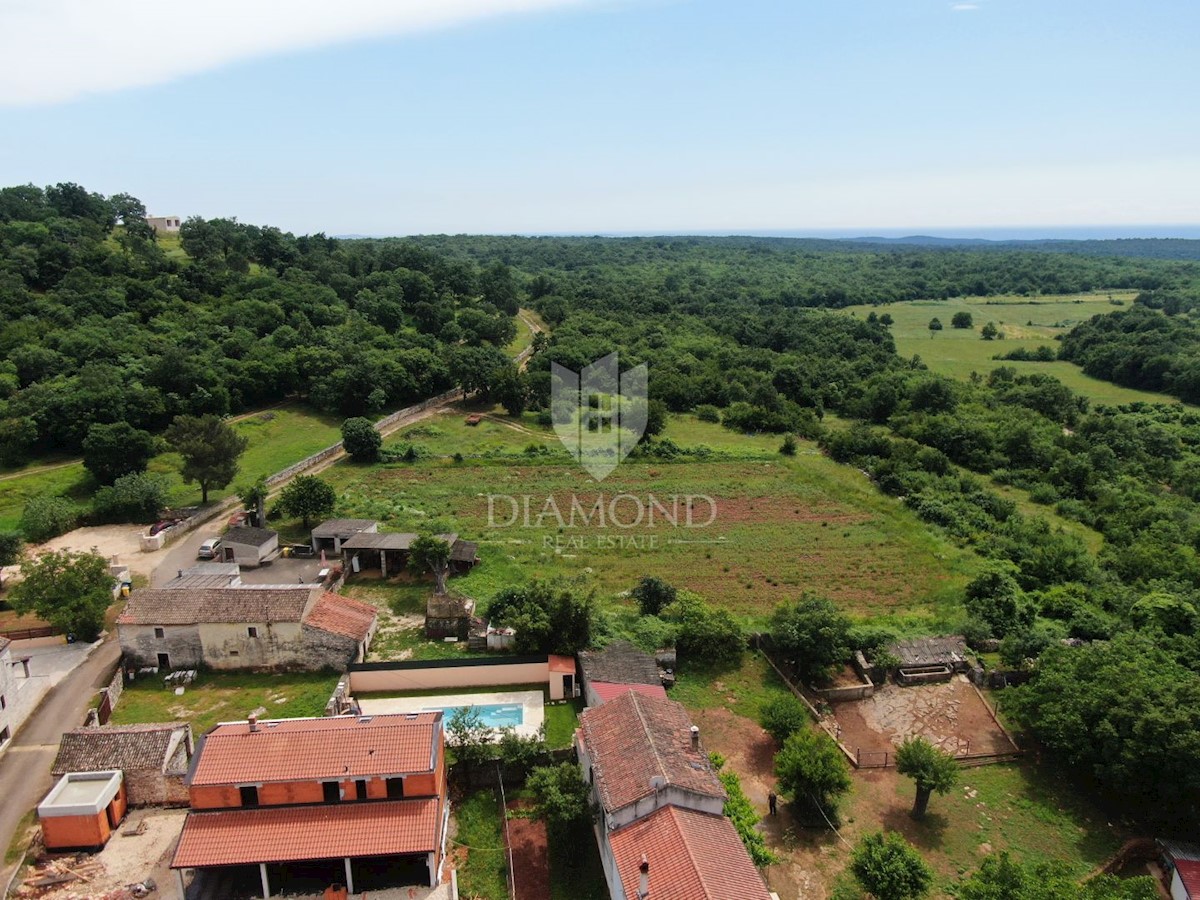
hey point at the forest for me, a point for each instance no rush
(104, 325)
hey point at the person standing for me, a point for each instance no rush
(772, 800)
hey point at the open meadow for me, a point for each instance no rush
(779, 527)
(1028, 322)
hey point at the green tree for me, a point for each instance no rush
(653, 595)
(812, 772)
(254, 500)
(210, 449)
(932, 770)
(308, 497)
(989, 331)
(110, 451)
(564, 799)
(136, 497)
(470, 738)
(510, 389)
(788, 447)
(706, 637)
(888, 868)
(69, 590)
(811, 635)
(549, 616)
(961, 319)
(46, 516)
(783, 717)
(429, 553)
(1000, 877)
(361, 440)
(994, 597)
(935, 325)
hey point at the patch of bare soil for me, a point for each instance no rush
(530, 854)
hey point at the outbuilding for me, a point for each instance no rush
(331, 534)
(248, 546)
(82, 810)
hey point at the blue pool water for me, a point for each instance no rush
(494, 715)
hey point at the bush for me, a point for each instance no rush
(653, 595)
(706, 412)
(788, 447)
(45, 517)
(131, 498)
(650, 633)
(812, 636)
(707, 637)
(784, 717)
(361, 440)
(743, 815)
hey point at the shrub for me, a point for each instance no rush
(653, 595)
(131, 498)
(784, 717)
(788, 447)
(45, 517)
(743, 815)
(706, 412)
(361, 440)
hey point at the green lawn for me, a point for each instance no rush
(70, 480)
(524, 336)
(1025, 321)
(226, 697)
(783, 526)
(561, 721)
(478, 846)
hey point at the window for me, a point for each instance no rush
(3, 702)
(4, 735)
(252, 631)
(395, 788)
(234, 653)
(159, 633)
(360, 790)
(249, 795)
(332, 791)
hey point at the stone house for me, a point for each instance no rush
(245, 627)
(248, 546)
(154, 758)
(8, 692)
(448, 615)
(660, 802)
(164, 224)
(617, 669)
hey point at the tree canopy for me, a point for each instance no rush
(931, 769)
(888, 867)
(812, 772)
(69, 590)
(308, 497)
(210, 449)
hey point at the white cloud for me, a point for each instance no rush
(57, 50)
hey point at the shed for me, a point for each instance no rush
(82, 810)
(249, 546)
(387, 551)
(152, 758)
(464, 555)
(332, 533)
(448, 615)
(1181, 865)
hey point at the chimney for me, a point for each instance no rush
(253, 723)
(643, 879)
(695, 738)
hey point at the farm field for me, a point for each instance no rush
(782, 526)
(1025, 321)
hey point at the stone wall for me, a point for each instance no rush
(8, 690)
(229, 648)
(328, 651)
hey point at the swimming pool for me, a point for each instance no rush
(493, 715)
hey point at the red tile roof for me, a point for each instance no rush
(606, 691)
(341, 615)
(1189, 874)
(291, 833)
(692, 856)
(561, 663)
(318, 749)
(634, 738)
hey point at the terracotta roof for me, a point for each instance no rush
(249, 536)
(125, 747)
(1189, 875)
(692, 856)
(606, 691)
(559, 663)
(292, 833)
(338, 527)
(245, 603)
(619, 663)
(341, 615)
(633, 739)
(316, 749)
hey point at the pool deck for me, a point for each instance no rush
(533, 713)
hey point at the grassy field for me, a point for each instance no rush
(782, 526)
(226, 697)
(68, 479)
(478, 846)
(524, 336)
(1025, 322)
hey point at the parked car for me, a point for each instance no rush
(208, 550)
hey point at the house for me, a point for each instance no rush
(248, 546)
(661, 805)
(360, 800)
(1180, 864)
(153, 759)
(245, 627)
(82, 810)
(617, 669)
(330, 534)
(448, 615)
(8, 692)
(164, 224)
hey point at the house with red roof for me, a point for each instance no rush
(301, 804)
(245, 626)
(617, 669)
(662, 830)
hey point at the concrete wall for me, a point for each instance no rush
(77, 832)
(391, 680)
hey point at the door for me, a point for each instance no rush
(568, 686)
(164, 661)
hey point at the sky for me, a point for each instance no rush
(989, 117)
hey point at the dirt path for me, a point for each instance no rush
(530, 854)
(39, 469)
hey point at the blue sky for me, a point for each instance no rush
(408, 116)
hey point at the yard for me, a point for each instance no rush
(1027, 322)
(225, 697)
